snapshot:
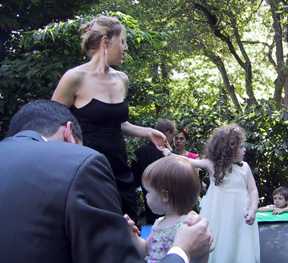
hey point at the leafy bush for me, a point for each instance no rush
(37, 59)
(266, 137)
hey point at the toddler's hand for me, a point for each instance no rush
(195, 240)
(192, 218)
(166, 152)
(131, 225)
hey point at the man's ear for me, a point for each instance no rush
(165, 196)
(68, 136)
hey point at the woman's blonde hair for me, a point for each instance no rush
(178, 177)
(96, 29)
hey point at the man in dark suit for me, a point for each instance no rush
(59, 201)
(147, 154)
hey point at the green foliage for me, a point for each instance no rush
(168, 37)
(35, 65)
(266, 146)
(266, 141)
(31, 14)
(39, 58)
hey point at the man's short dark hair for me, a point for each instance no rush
(45, 117)
(165, 125)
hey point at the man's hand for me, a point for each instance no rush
(194, 237)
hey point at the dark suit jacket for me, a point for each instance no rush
(59, 203)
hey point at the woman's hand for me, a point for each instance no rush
(159, 139)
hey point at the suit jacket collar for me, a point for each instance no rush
(30, 134)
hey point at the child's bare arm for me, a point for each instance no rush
(275, 210)
(140, 244)
(265, 209)
(203, 163)
(253, 194)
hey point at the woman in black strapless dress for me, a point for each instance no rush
(95, 94)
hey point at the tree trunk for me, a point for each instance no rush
(218, 32)
(230, 88)
(165, 78)
(281, 71)
(285, 101)
(247, 65)
(221, 67)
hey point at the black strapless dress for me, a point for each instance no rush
(101, 127)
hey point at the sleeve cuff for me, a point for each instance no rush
(180, 252)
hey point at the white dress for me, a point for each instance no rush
(224, 206)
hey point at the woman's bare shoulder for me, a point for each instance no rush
(123, 77)
(72, 74)
(68, 85)
(76, 71)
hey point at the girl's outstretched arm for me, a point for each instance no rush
(140, 243)
(203, 163)
(253, 194)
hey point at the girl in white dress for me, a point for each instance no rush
(231, 201)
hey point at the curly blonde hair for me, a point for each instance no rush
(221, 149)
(96, 29)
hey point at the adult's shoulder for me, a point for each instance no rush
(74, 74)
(71, 149)
(80, 161)
(120, 79)
(123, 77)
